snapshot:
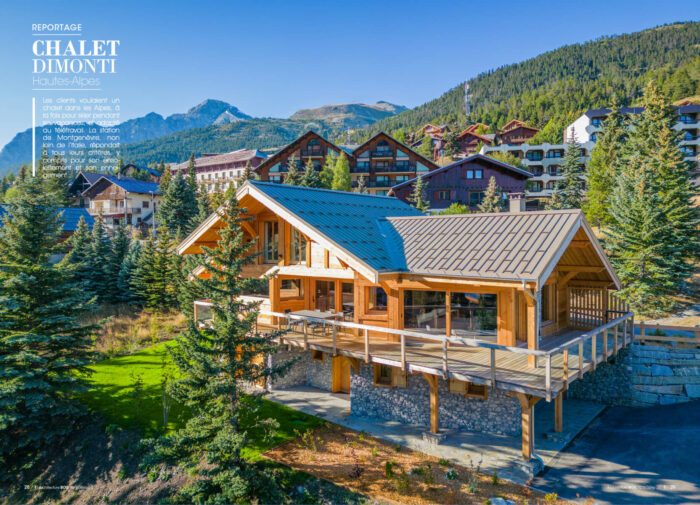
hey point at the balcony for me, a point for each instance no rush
(382, 154)
(312, 153)
(359, 170)
(115, 211)
(395, 169)
(381, 184)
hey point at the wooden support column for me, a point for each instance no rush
(531, 329)
(434, 402)
(527, 402)
(559, 412)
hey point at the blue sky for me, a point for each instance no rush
(271, 58)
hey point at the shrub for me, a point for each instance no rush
(443, 462)
(551, 498)
(451, 474)
(389, 469)
(494, 478)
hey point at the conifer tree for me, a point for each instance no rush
(426, 147)
(165, 178)
(214, 364)
(121, 243)
(603, 170)
(127, 274)
(161, 167)
(493, 200)
(80, 252)
(156, 276)
(192, 174)
(361, 185)
(205, 206)
(555, 202)
(400, 136)
(56, 180)
(248, 174)
(328, 170)
(341, 174)
(98, 275)
(179, 207)
(292, 177)
(311, 178)
(44, 349)
(417, 198)
(571, 186)
(452, 145)
(21, 177)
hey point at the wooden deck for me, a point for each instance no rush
(509, 370)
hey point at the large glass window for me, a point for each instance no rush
(424, 310)
(291, 288)
(473, 314)
(376, 299)
(271, 242)
(325, 295)
(348, 301)
(298, 246)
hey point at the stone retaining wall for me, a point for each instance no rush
(304, 371)
(643, 375)
(500, 414)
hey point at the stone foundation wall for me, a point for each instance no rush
(304, 371)
(500, 414)
(643, 375)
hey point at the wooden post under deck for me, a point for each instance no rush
(527, 402)
(434, 402)
(531, 329)
(559, 412)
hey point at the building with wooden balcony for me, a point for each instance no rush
(216, 172)
(459, 322)
(516, 132)
(381, 161)
(123, 200)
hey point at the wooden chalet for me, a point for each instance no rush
(470, 140)
(516, 132)
(508, 307)
(123, 200)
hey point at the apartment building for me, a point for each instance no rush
(381, 161)
(545, 160)
(123, 200)
(218, 171)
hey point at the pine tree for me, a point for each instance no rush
(192, 174)
(341, 174)
(97, 278)
(426, 147)
(165, 179)
(56, 180)
(248, 174)
(361, 185)
(571, 186)
(399, 136)
(417, 198)
(126, 277)
(44, 349)
(22, 176)
(328, 170)
(121, 243)
(452, 145)
(493, 200)
(214, 363)
(603, 170)
(555, 202)
(156, 277)
(179, 208)
(293, 177)
(205, 205)
(311, 178)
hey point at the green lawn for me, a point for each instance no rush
(115, 396)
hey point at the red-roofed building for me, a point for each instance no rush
(516, 132)
(221, 169)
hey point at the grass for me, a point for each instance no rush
(128, 392)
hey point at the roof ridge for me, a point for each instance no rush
(486, 214)
(335, 191)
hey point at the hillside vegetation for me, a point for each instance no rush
(559, 84)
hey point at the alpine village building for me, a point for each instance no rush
(460, 322)
(216, 172)
(121, 200)
(382, 161)
(465, 182)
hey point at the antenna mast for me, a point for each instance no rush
(467, 100)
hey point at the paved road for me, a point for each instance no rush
(647, 456)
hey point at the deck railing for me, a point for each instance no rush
(670, 335)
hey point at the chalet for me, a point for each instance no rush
(470, 141)
(131, 170)
(459, 322)
(436, 133)
(516, 132)
(79, 185)
(124, 200)
(382, 161)
(219, 171)
(465, 181)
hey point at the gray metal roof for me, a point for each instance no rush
(512, 246)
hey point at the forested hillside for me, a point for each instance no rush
(558, 85)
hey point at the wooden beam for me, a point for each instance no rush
(567, 277)
(434, 402)
(249, 228)
(580, 268)
(559, 413)
(527, 402)
(326, 259)
(579, 243)
(531, 330)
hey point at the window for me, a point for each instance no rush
(382, 180)
(325, 295)
(475, 197)
(348, 300)
(594, 137)
(424, 310)
(376, 299)
(442, 195)
(298, 246)
(473, 314)
(478, 174)
(271, 242)
(382, 376)
(382, 192)
(291, 289)
(469, 174)
(383, 146)
(317, 355)
(401, 178)
(534, 155)
(145, 204)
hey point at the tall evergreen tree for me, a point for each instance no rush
(192, 174)
(127, 276)
(156, 277)
(361, 185)
(248, 174)
(121, 243)
(417, 198)
(44, 349)
(328, 170)
(341, 174)
(311, 178)
(452, 145)
(571, 186)
(426, 147)
(80, 253)
(292, 177)
(493, 200)
(214, 363)
(603, 170)
(98, 274)
(22, 175)
(179, 208)
(165, 178)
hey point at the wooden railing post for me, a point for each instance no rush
(580, 359)
(642, 331)
(403, 352)
(548, 378)
(566, 369)
(366, 345)
(697, 335)
(444, 358)
(335, 346)
(493, 368)
(615, 340)
(631, 327)
(605, 345)
(306, 334)
(593, 350)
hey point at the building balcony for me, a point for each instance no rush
(395, 169)
(382, 154)
(312, 153)
(115, 211)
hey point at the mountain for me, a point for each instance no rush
(350, 115)
(560, 84)
(152, 125)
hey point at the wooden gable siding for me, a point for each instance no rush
(298, 149)
(454, 181)
(110, 192)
